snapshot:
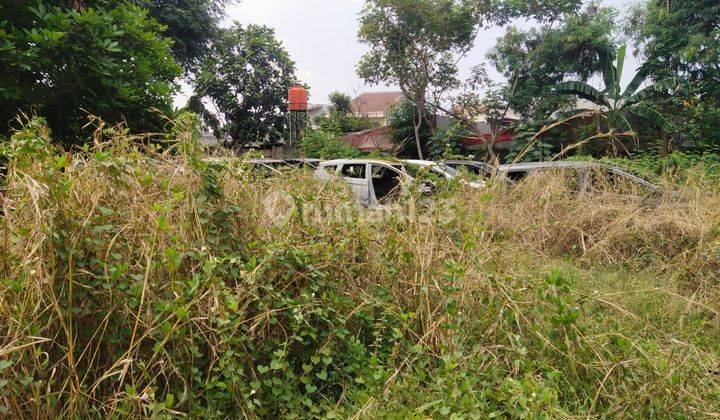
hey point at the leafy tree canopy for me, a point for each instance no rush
(191, 24)
(503, 11)
(411, 41)
(533, 61)
(681, 38)
(246, 75)
(340, 102)
(62, 62)
(413, 45)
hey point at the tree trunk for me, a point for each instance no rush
(417, 124)
(667, 147)
(490, 146)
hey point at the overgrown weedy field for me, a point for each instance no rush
(152, 283)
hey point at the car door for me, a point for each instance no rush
(356, 175)
(385, 183)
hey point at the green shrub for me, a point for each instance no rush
(148, 282)
(326, 145)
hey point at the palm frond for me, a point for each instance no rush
(584, 91)
(608, 70)
(652, 115)
(660, 86)
(638, 80)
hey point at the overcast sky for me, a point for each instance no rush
(321, 37)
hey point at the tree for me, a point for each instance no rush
(617, 104)
(681, 39)
(61, 63)
(534, 61)
(246, 75)
(414, 44)
(341, 103)
(340, 118)
(191, 24)
(401, 117)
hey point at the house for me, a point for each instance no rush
(483, 128)
(375, 105)
(317, 110)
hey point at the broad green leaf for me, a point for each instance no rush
(660, 86)
(619, 68)
(653, 116)
(584, 91)
(635, 83)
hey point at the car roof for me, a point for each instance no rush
(263, 161)
(529, 166)
(467, 162)
(358, 161)
(221, 159)
(420, 162)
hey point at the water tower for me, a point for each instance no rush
(297, 113)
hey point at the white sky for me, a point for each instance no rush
(321, 37)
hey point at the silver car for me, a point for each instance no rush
(585, 171)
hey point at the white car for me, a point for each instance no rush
(374, 182)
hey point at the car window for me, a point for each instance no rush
(379, 171)
(618, 182)
(353, 171)
(424, 173)
(516, 175)
(471, 169)
(443, 169)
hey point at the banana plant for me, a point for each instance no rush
(617, 104)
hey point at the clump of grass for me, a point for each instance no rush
(146, 281)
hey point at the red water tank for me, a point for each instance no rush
(298, 98)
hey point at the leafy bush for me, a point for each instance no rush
(63, 64)
(143, 282)
(339, 123)
(326, 145)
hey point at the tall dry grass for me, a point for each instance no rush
(143, 281)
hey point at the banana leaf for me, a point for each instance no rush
(610, 76)
(660, 86)
(584, 91)
(635, 83)
(652, 115)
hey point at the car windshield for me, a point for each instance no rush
(443, 169)
(429, 171)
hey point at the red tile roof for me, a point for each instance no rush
(374, 102)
